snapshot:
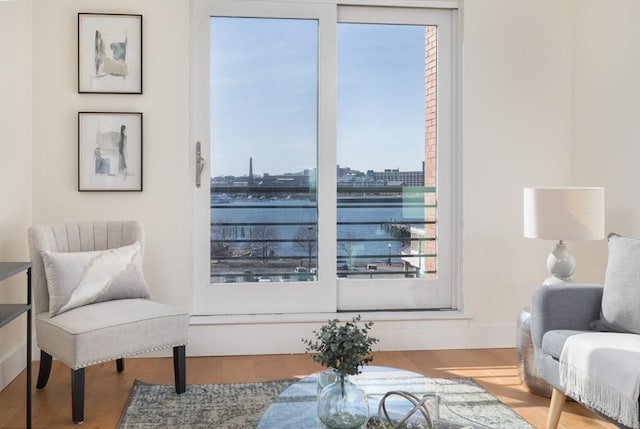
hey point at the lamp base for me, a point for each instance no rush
(556, 281)
(561, 265)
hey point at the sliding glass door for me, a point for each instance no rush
(328, 138)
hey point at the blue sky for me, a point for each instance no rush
(264, 96)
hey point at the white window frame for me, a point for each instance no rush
(417, 293)
(328, 294)
(274, 297)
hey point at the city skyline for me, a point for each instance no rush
(250, 171)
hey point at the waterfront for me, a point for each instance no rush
(275, 237)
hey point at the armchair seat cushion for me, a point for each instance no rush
(111, 330)
(553, 341)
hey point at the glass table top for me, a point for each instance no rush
(296, 406)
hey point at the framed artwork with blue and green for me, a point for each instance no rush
(109, 151)
(109, 53)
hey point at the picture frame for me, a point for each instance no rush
(109, 53)
(110, 151)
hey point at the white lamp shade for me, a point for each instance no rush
(564, 213)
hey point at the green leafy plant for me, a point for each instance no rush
(345, 347)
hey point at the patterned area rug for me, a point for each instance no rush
(202, 406)
(241, 406)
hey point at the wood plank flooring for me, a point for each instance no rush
(107, 391)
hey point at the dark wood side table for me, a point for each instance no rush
(9, 312)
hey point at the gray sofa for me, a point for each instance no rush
(558, 312)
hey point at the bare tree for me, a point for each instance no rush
(350, 248)
(264, 245)
(306, 239)
(219, 236)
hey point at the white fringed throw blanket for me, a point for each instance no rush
(602, 370)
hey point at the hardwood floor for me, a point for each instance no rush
(107, 391)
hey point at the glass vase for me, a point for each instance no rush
(325, 378)
(343, 405)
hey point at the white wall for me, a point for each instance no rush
(163, 206)
(517, 124)
(606, 114)
(15, 171)
(517, 133)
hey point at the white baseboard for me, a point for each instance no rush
(249, 335)
(12, 365)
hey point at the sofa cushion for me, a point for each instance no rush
(621, 295)
(75, 279)
(553, 341)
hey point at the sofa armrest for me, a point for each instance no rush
(563, 306)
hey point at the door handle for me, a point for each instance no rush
(200, 161)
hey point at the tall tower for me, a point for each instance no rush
(250, 169)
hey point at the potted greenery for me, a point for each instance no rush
(344, 347)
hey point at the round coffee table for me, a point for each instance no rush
(296, 406)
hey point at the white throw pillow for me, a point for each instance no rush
(79, 278)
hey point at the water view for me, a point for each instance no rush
(275, 239)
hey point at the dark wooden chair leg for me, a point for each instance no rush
(120, 364)
(180, 368)
(45, 369)
(77, 395)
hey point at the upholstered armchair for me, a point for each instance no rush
(586, 339)
(92, 304)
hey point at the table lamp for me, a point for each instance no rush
(571, 213)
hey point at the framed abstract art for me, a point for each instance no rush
(109, 151)
(109, 53)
